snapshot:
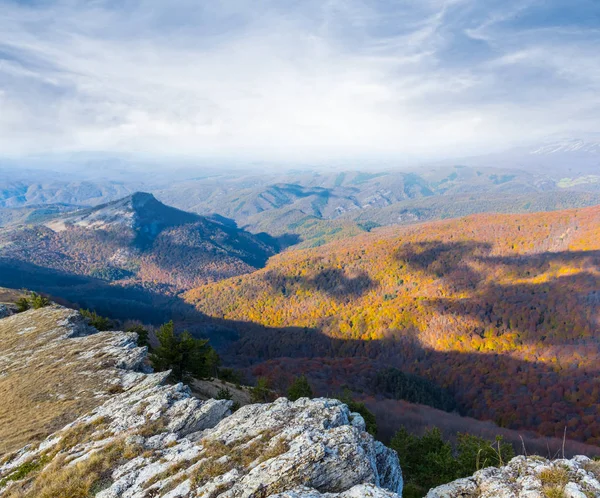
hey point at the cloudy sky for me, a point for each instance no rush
(299, 80)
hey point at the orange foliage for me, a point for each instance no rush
(502, 309)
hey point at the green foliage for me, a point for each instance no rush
(429, 461)
(183, 354)
(360, 408)
(261, 393)
(300, 388)
(24, 470)
(230, 375)
(22, 304)
(33, 300)
(95, 320)
(143, 335)
(475, 453)
(415, 389)
(426, 461)
(38, 301)
(224, 393)
(213, 361)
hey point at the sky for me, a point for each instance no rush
(295, 80)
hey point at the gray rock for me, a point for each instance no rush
(5, 310)
(524, 478)
(170, 444)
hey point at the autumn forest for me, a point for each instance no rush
(499, 311)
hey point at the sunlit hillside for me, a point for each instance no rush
(501, 309)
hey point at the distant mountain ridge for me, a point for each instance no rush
(572, 145)
(318, 206)
(345, 201)
(138, 240)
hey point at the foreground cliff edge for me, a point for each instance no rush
(130, 434)
(146, 438)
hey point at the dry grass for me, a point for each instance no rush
(170, 471)
(46, 382)
(209, 470)
(280, 447)
(79, 480)
(79, 434)
(23, 470)
(554, 481)
(152, 428)
(10, 295)
(221, 458)
(593, 467)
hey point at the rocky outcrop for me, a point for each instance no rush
(7, 309)
(531, 477)
(151, 439)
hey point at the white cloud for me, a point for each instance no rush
(314, 80)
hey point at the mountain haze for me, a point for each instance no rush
(137, 240)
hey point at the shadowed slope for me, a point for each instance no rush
(139, 240)
(503, 309)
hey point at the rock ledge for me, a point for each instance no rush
(153, 439)
(531, 477)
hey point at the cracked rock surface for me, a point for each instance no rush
(532, 477)
(149, 438)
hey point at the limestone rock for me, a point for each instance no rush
(196, 448)
(149, 438)
(532, 477)
(6, 310)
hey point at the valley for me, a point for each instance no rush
(302, 249)
(497, 312)
(502, 310)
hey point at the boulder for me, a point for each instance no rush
(528, 477)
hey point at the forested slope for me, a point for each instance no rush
(136, 241)
(503, 310)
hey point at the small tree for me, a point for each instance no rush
(38, 301)
(261, 393)
(300, 388)
(100, 323)
(230, 375)
(22, 304)
(143, 336)
(167, 354)
(213, 362)
(224, 393)
(183, 354)
(34, 300)
(426, 461)
(476, 453)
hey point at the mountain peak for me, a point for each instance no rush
(142, 197)
(140, 211)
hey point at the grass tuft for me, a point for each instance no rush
(554, 481)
